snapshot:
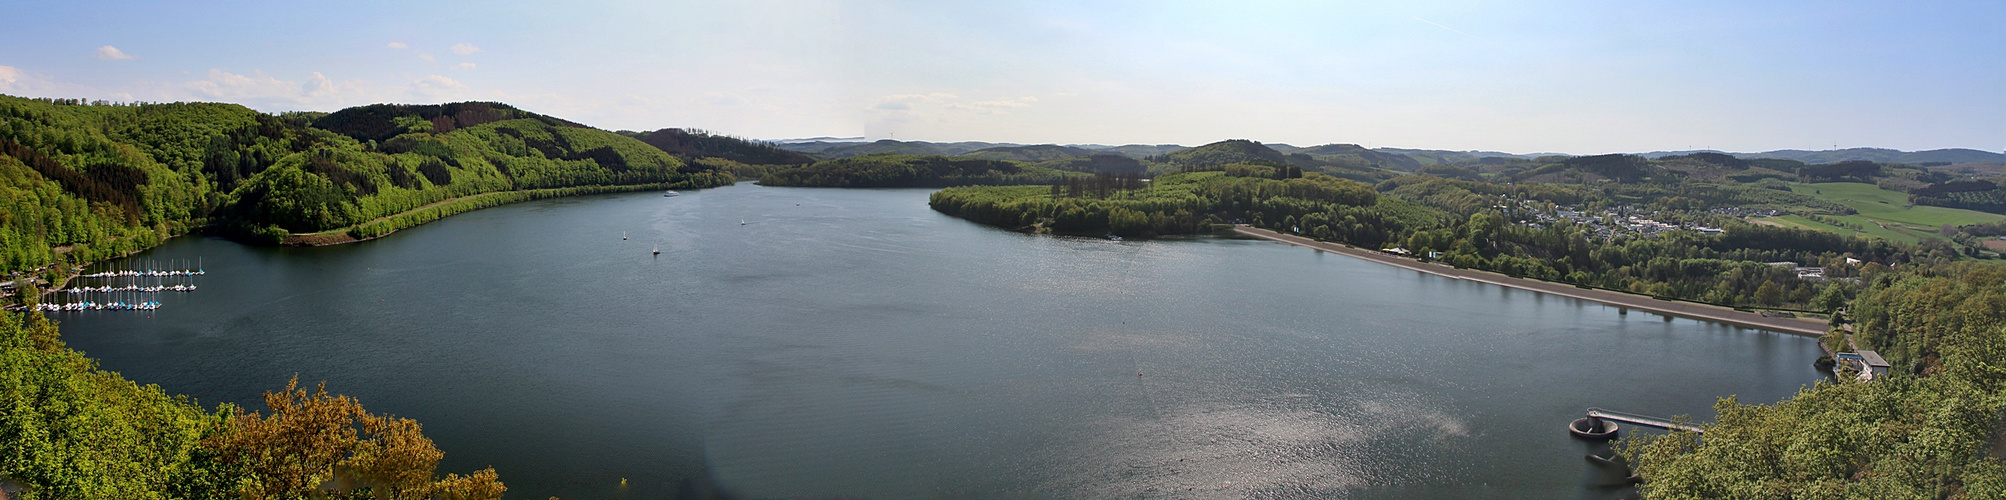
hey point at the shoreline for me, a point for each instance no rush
(1689, 310)
(431, 212)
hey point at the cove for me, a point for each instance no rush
(825, 342)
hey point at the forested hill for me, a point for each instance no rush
(900, 170)
(80, 181)
(690, 144)
(1029, 153)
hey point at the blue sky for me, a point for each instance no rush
(1565, 76)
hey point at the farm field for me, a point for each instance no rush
(1885, 213)
(1871, 230)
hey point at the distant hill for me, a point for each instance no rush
(1096, 164)
(1954, 155)
(837, 150)
(1223, 153)
(1438, 157)
(1354, 154)
(1028, 153)
(900, 170)
(691, 144)
(833, 148)
(1135, 150)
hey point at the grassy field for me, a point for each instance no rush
(1891, 206)
(1882, 213)
(1872, 230)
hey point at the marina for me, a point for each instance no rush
(116, 289)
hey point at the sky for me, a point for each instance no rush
(1581, 77)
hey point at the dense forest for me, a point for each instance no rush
(1928, 430)
(83, 181)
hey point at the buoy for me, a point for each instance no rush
(623, 481)
(1138, 374)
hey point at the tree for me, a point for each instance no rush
(1831, 299)
(1769, 294)
(313, 438)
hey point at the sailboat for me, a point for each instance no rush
(623, 236)
(658, 249)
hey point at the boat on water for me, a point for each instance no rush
(670, 193)
(623, 236)
(1112, 237)
(658, 249)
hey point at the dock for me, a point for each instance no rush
(1643, 420)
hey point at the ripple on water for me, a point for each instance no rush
(1289, 445)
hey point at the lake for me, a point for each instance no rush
(794, 342)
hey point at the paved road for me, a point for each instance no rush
(1799, 326)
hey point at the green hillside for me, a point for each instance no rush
(82, 181)
(1222, 153)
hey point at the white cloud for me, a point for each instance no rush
(465, 65)
(110, 53)
(319, 85)
(227, 86)
(438, 82)
(261, 91)
(425, 56)
(398, 45)
(22, 82)
(993, 107)
(440, 88)
(465, 49)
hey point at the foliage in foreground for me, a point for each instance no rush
(1924, 431)
(71, 430)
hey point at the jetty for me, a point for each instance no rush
(1597, 425)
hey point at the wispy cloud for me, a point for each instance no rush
(110, 53)
(231, 86)
(465, 65)
(465, 49)
(993, 107)
(1457, 31)
(398, 45)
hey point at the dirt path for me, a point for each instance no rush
(1798, 326)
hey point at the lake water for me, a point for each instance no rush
(797, 342)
